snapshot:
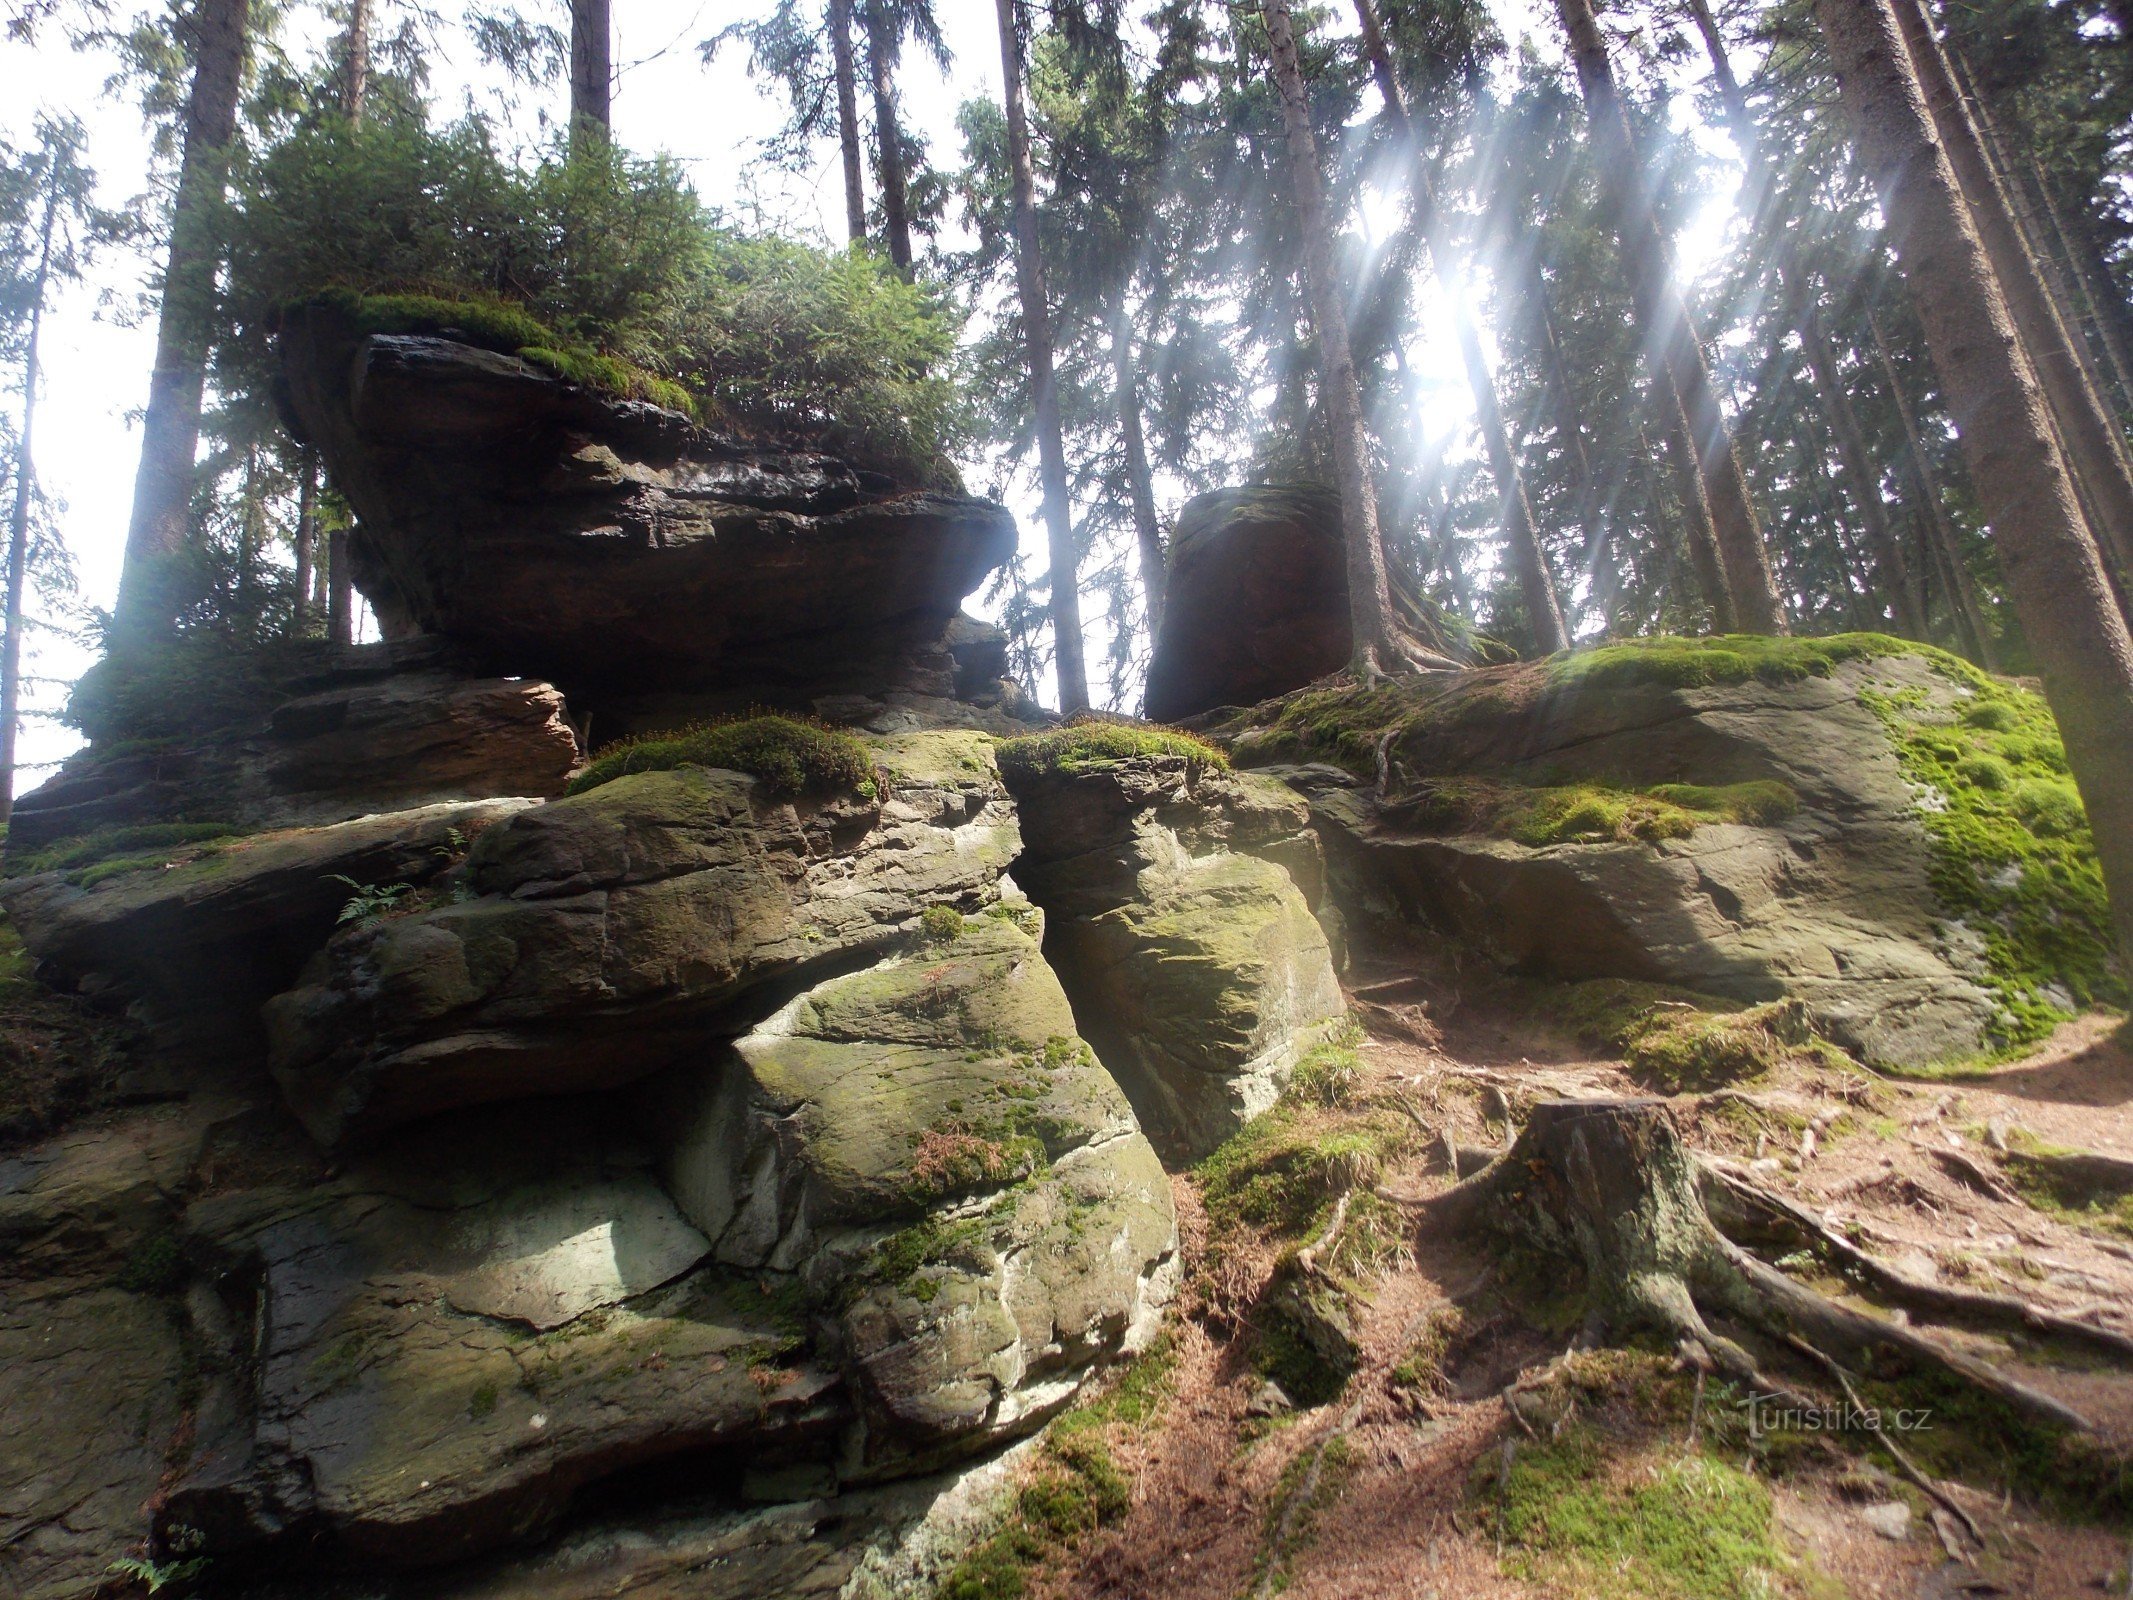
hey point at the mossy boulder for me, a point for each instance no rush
(937, 1156)
(600, 937)
(1180, 903)
(1871, 828)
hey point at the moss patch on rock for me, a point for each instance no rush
(1074, 1486)
(489, 323)
(1098, 742)
(108, 851)
(1677, 1040)
(1588, 813)
(789, 756)
(1681, 663)
(2012, 860)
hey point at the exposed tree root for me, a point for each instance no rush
(1740, 1206)
(1607, 1187)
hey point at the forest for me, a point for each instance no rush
(1348, 809)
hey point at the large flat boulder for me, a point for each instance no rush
(1876, 830)
(608, 544)
(602, 936)
(1179, 928)
(426, 1354)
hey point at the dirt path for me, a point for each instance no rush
(1403, 1503)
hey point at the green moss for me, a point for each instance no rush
(129, 843)
(2011, 854)
(1075, 1488)
(940, 924)
(1080, 746)
(482, 1402)
(1680, 663)
(1294, 1518)
(1281, 1172)
(1676, 1039)
(1691, 1528)
(2057, 1187)
(491, 323)
(1588, 813)
(154, 1266)
(789, 756)
(1973, 1435)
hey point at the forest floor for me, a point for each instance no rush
(1472, 1453)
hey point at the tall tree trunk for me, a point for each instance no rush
(888, 133)
(18, 530)
(1536, 584)
(2091, 444)
(1140, 481)
(1698, 531)
(2056, 578)
(2021, 185)
(355, 61)
(855, 195)
(161, 527)
(1569, 418)
(1814, 471)
(1370, 617)
(1044, 390)
(1862, 476)
(306, 540)
(2114, 318)
(1936, 506)
(1670, 329)
(340, 590)
(592, 78)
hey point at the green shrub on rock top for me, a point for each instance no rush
(788, 756)
(1081, 746)
(611, 271)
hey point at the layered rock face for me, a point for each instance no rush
(671, 1120)
(618, 549)
(335, 735)
(1257, 603)
(1832, 896)
(502, 1144)
(1180, 922)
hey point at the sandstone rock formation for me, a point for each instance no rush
(1197, 966)
(335, 735)
(611, 546)
(1835, 898)
(1257, 604)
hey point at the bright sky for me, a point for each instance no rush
(98, 348)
